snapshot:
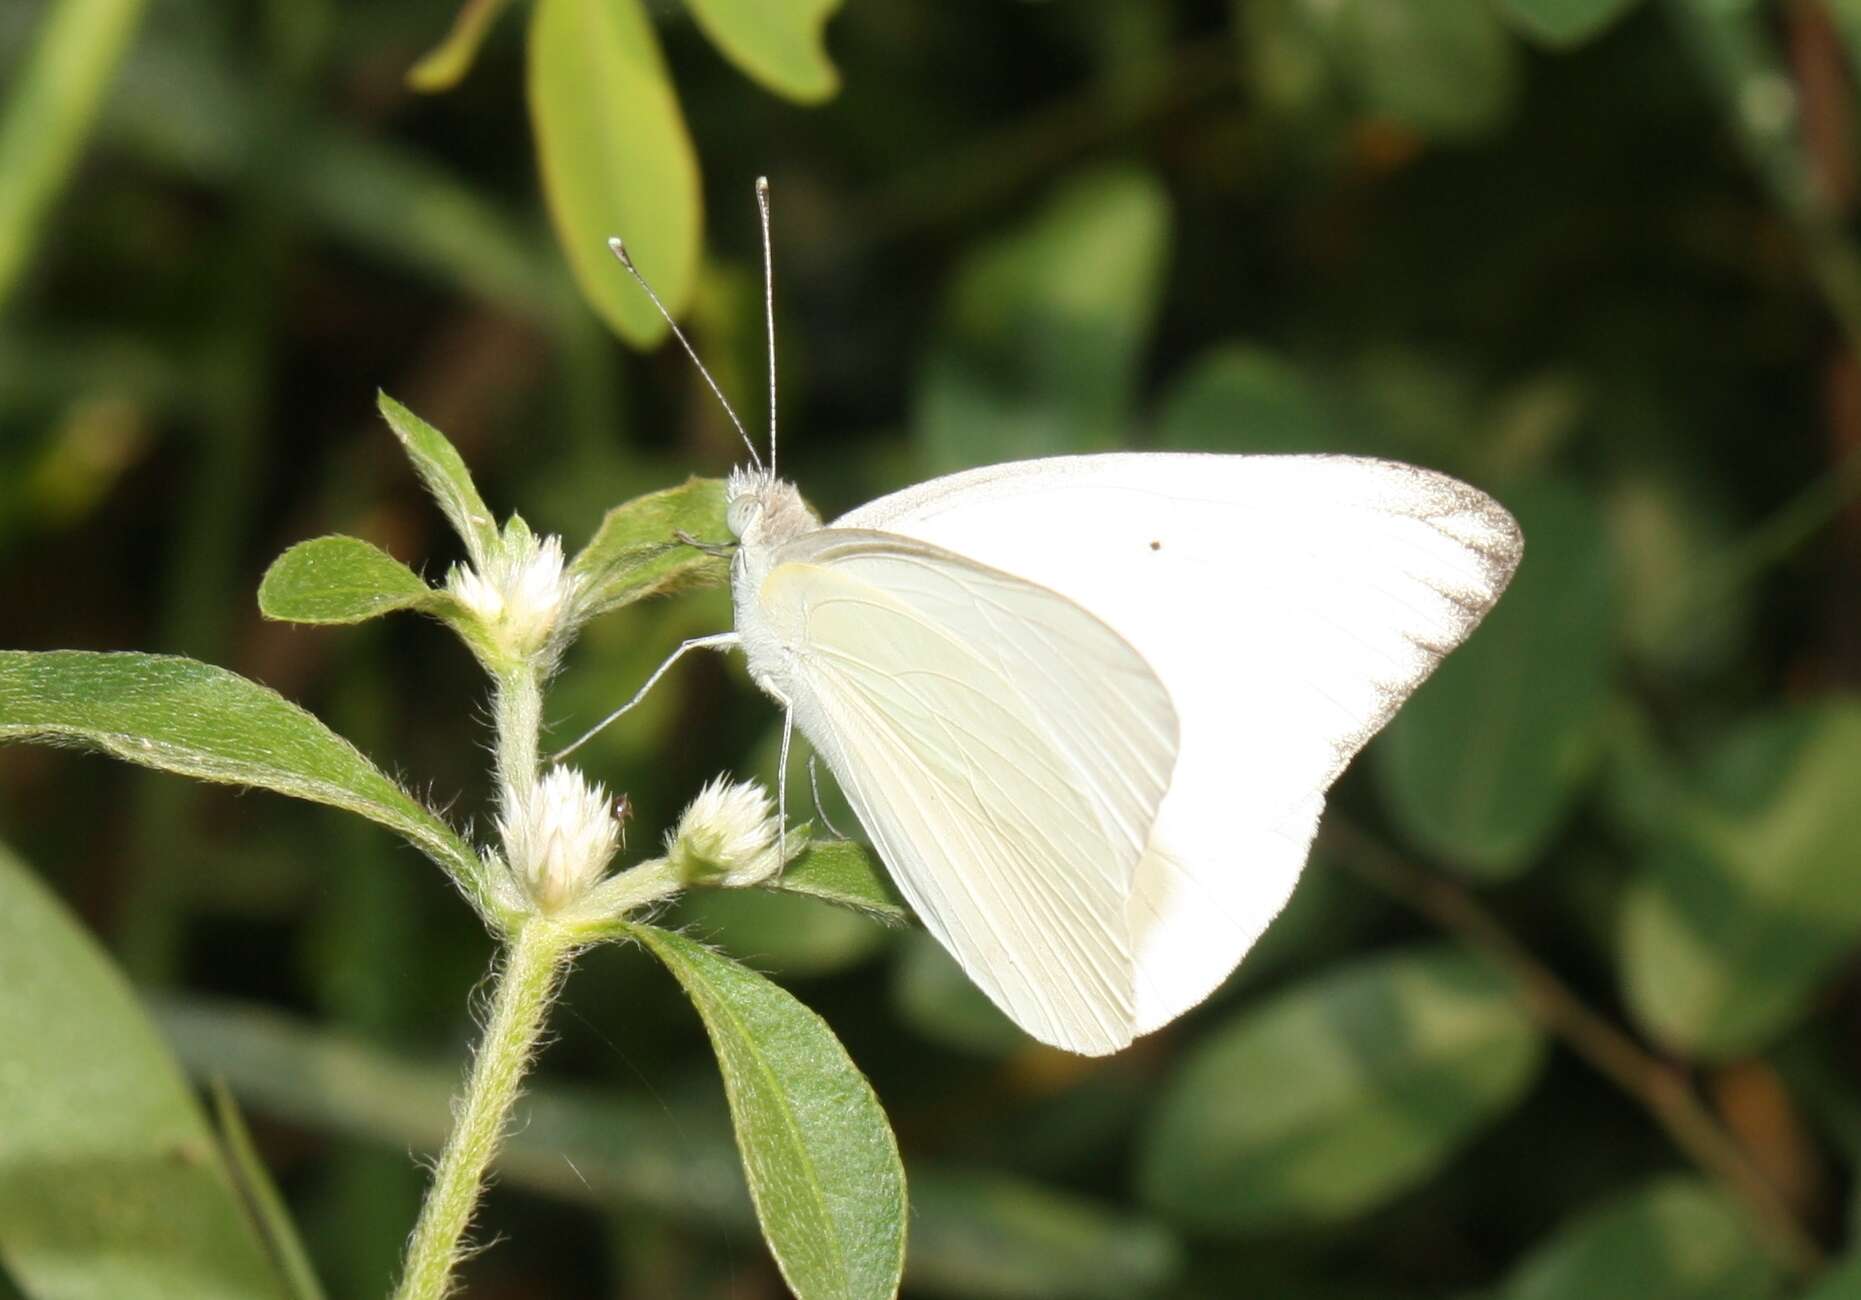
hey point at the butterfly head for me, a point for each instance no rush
(762, 510)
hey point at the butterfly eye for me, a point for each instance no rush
(740, 513)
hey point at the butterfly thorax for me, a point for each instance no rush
(765, 513)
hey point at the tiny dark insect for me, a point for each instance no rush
(1156, 546)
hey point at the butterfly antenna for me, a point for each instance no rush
(619, 249)
(768, 304)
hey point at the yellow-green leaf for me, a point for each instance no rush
(446, 64)
(616, 158)
(778, 42)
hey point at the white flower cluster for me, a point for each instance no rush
(561, 838)
(522, 593)
(727, 836)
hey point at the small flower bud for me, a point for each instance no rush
(522, 592)
(726, 837)
(561, 839)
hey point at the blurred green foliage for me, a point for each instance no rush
(1565, 1006)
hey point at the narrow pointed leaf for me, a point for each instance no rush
(1356, 1085)
(443, 471)
(110, 1182)
(183, 716)
(342, 580)
(778, 42)
(636, 552)
(445, 65)
(823, 1166)
(616, 158)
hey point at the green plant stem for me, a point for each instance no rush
(518, 716)
(533, 966)
(1661, 1087)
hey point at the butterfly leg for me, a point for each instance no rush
(781, 779)
(720, 641)
(814, 781)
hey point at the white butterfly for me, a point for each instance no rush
(1087, 708)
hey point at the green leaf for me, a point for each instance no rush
(262, 1197)
(778, 42)
(53, 95)
(110, 1182)
(1443, 68)
(935, 997)
(1239, 398)
(445, 65)
(1564, 24)
(342, 580)
(1675, 1239)
(182, 716)
(1483, 764)
(1044, 329)
(443, 471)
(616, 158)
(846, 874)
(1747, 902)
(1329, 1099)
(635, 553)
(823, 1166)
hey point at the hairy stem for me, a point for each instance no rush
(1661, 1087)
(533, 966)
(517, 706)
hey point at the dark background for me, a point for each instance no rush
(1611, 281)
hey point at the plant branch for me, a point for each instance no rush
(533, 966)
(1660, 1086)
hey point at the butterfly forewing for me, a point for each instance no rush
(1006, 751)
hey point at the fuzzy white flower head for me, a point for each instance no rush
(561, 839)
(727, 836)
(522, 592)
